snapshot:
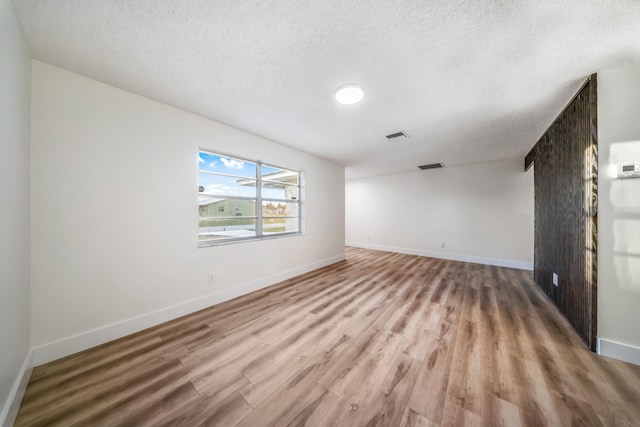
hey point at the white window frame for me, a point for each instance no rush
(259, 217)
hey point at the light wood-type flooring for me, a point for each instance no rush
(380, 339)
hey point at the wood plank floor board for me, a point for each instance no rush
(329, 344)
(311, 408)
(494, 351)
(95, 384)
(85, 405)
(575, 412)
(351, 367)
(424, 329)
(379, 339)
(499, 413)
(536, 403)
(455, 415)
(143, 408)
(413, 419)
(430, 390)
(86, 371)
(207, 412)
(314, 365)
(99, 355)
(357, 392)
(290, 348)
(466, 375)
(500, 382)
(219, 382)
(311, 333)
(275, 404)
(390, 402)
(610, 409)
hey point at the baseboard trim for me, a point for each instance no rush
(617, 350)
(520, 265)
(12, 404)
(79, 342)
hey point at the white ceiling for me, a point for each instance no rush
(469, 81)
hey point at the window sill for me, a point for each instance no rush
(208, 244)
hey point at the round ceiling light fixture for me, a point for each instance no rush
(349, 94)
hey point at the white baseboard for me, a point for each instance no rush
(79, 342)
(520, 265)
(616, 350)
(12, 404)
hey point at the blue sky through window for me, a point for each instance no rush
(268, 169)
(222, 185)
(226, 165)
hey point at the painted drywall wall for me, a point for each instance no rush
(14, 197)
(619, 206)
(480, 213)
(115, 214)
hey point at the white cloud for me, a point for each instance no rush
(232, 164)
(200, 159)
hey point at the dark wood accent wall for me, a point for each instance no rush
(565, 163)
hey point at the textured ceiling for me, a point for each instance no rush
(469, 81)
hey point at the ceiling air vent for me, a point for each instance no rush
(431, 166)
(401, 134)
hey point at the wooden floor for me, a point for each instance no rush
(381, 339)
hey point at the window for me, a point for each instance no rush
(243, 200)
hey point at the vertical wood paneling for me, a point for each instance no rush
(566, 162)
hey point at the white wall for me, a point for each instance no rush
(481, 212)
(14, 199)
(115, 214)
(619, 210)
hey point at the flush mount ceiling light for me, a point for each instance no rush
(349, 94)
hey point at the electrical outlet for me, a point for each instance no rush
(211, 280)
(555, 279)
(443, 246)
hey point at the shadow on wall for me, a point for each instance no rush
(624, 195)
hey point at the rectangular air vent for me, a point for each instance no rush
(431, 166)
(401, 134)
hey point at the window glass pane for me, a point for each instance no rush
(218, 229)
(279, 225)
(231, 206)
(286, 176)
(271, 190)
(221, 185)
(227, 165)
(279, 209)
(211, 207)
